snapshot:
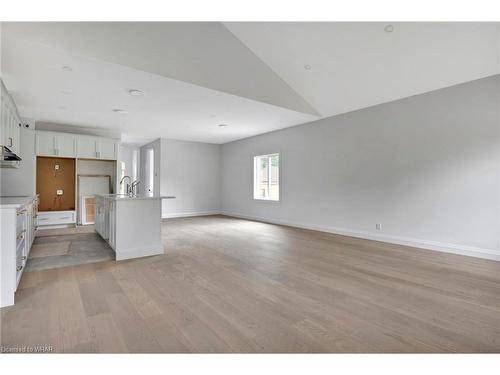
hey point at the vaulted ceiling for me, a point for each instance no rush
(252, 77)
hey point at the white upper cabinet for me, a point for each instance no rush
(10, 126)
(87, 147)
(66, 145)
(55, 144)
(45, 144)
(75, 146)
(107, 149)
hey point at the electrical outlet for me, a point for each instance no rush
(56, 167)
(59, 192)
(378, 226)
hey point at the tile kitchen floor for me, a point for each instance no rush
(82, 248)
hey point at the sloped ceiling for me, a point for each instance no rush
(254, 77)
(201, 53)
(356, 65)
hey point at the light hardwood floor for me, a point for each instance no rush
(230, 285)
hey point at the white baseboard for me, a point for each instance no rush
(139, 252)
(418, 243)
(188, 214)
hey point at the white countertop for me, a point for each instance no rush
(15, 202)
(124, 197)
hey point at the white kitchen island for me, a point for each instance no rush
(130, 224)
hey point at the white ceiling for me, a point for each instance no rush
(198, 75)
(357, 65)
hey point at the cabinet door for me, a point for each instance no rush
(10, 131)
(86, 147)
(15, 132)
(3, 122)
(107, 149)
(10, 128)
(45, 144)
(112, 225)
(66, 145)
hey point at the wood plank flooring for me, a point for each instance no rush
(230, 285)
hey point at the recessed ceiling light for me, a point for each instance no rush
(389, 29)
(222, 125)
(135, 92)
(118, 110)
(67, 68)
(307, 67)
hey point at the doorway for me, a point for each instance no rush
(150, 171)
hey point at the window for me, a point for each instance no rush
(267, 177)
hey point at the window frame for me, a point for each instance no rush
(255, 179)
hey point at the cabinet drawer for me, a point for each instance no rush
(55, 218)
(21, 220)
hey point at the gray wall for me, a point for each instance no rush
(191, 172)
(425, 167)
(21, 181)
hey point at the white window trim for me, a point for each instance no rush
(255, 169)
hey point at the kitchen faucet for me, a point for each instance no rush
(128, 185)
(134, 186)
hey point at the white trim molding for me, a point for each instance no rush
(471, 251)
(188, 214)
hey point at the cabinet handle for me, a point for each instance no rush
(10, 141)
(19, 268)
(20, 235)
(23, 257)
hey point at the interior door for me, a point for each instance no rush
(149, 182)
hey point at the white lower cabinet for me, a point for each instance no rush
(112, 224)
(131, 226)
(18, 232)
(101, 217)
(56, 218)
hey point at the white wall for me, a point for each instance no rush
(21, 181)
(190, 172)
(425, 167)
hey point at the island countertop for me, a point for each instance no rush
(15, 201)
(125, 197)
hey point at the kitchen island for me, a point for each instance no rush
(130, 224)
